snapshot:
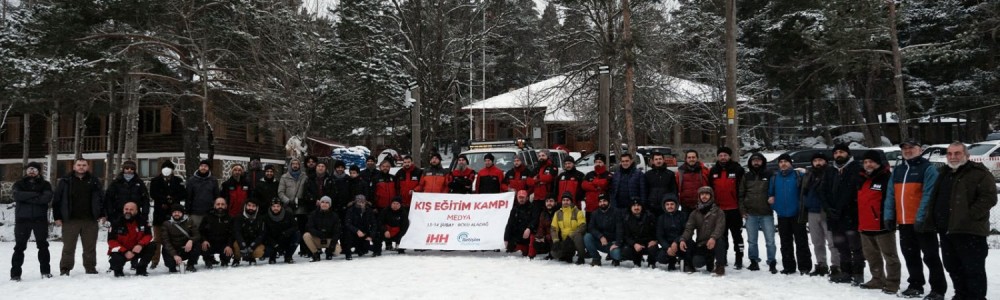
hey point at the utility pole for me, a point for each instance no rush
(415, 123)
(897, 72)
(732, 137)
(604, 111)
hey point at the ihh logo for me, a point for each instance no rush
(437, 239)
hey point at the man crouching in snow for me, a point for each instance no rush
(710, 222)
(568, 226)
(129, 241)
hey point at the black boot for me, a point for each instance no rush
(615, 263)
(857, 279)
(754, 266)
(289, 260)
(348, 255)
(140, 271)
(315, 257)
(579, 260)
(596, 262)
(834, 271)
(773, 267)
(672, 267)
(819, 270)
(739, 261)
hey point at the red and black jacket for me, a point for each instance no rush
(595, 183)
(460, 181)
(689, 180)
(236, 192)
(433, 180)
(517, 178)
(490, 181)
(409, 179)
(125, 234)
(386, 187)
(871, 198)
(543, 181)
(725, 180)
(569, 182)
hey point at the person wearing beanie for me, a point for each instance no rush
(669, 231)
(361, 232)
(180, 240)
(236, 190)
(627, 183)
(595, 184)
(202, 188)
(266, 187)
(166, 189)
(282, 232)
(691, 175)
(128, 241)
(32, 195)
(409, 178)
(323, 229)
(543, 180)
(878, 241)
(759, 217)
(385, 186)
(255, 171)
(368, 175)
(602, 232)
(217, 234)
(661, 183)
(356, 185)
(461, 177)
(249, 234)
(709, 222)
(785, 199)
(126, 187)
(725, 177)
(78, 207)
(815, 188)
(320, 184)
(639, 236)
(516, 178)
(570, 181)
(568, 225)
(435, 177)
(341, 188)
(489, 178)
(911, 187)
(517, 234)
(394, 222)
(841, 208)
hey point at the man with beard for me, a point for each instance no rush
(166, 191)
(661, 184)
(281, 233)
(291, 187)
(709, 222)
(461, 178)
(408, 177)
(816, 187)
(394, 222)
(841, 208)
(255, 173)
(490, 177)
(541, 241)
(32, 194)
(669, 230)
(386, 186)
(595, 183)
(356, 183)
(323, 230)
(267, 187)
(236, 190)
(517, 235)
(77, 207)
(368, 175)
(602, 233)
(311, 162)
(127, 188)
(910, 189)
(361, 230)
(543, 180)
(568, 225)
(570, 181)
(878, 242)
(180, 241)
(341, 188)
(435, 178)
(691, 176)
(316, 187)
(724, 178)
(217, 233)
(128, 241)
(638, 236)
(202, 189)
(959, 211)
(627, 185)
(516, 178)
(785, 199)
(248, 233)
(757, 211)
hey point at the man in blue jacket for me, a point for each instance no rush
(602, 233)
(627, 184)
(784, 198)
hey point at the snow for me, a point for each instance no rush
(890, 117)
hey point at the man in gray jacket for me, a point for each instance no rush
(290, 188)
(202, 189)
(32, 195)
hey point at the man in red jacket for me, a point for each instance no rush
(595, 183)
(408, 178)
(461, 178)
(434, 179)
(691, 176)
(490, 178)
(878, 242)
(725, 177)
(570, 181)
(129, 240)
(516, 179)
(543, 180)
(385, 185)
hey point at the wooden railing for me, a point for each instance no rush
(87, 144)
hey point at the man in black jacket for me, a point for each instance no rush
(357, 185)
(517, 235)
(77, 206)
(249, 233)
(602, 232)
(841, 209)
(669, 230)
(127, 187)
(32, 195)
(661, 184)
(266, 187)
(341, 188)
(217, 235)
(394, 222)
(638, 236)
(281, 232)
(166, 190)
(361, 230)
(323, 230)
(202, 188)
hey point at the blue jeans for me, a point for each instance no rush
(594, 248)
(765, 224)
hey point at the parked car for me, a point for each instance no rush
(936, 154)
(586, 164)
(893, 154)
(993, 136)
(503, 155)
(987, 153)
(668, 154)
(803, 158)
(768, 156)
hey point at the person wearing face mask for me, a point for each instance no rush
(841, 208)
(236, 190)
(129, 240)
(202, 188)
(248, 233)
(267, 187)
(127, 187)
(166, 190)
(217, 235)
(661, 183)
(32, 194)
(709, 222)
(595, 183)
(180, 241)
(959, 212)
(602, 232)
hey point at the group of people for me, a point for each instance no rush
(849, 206)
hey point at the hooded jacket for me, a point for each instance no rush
(708, 220)
(123, 191)
(753, 189)
(490, 180)
(661, 184)
(670, 227)
(910, 189)
(32, 196)
(570, 182)
(248, 229)
(201, 191)
(165, 191)
(871, 197)
(290, 191)
(176, 233)
(689, 179)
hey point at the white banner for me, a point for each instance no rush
(457, 221)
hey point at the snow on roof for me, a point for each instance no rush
(890, 118)
(550, 92)
(327, 142)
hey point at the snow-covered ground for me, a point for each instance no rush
(431, 275)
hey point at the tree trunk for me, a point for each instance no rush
(897, 69)
(629, 75)
(109, 141)
(870, 113)
(26, 141)
(732, 134)
(120, 139)
(131, 121)
(78, 119)
(189, 122)
(54, 142)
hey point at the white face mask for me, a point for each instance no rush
(166, 171)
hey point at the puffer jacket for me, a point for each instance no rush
(661, 184)
(279, 226)
(570, 182)
(126, 234)
(689, 180)
(567, 222)
(408, 180)
(709, 221)
(670, 227)
(725, 179)
(973, 195)
(290, 191)
(248, 230)
(871, 197)
(910, 189)
(324, 224)
(594, 184)
(32, 196)
(753, 190)
(543, 180)
(639, 229)
(217, 228)
(627, 185)
(121, 191)
(607, 224)
(174, 238)
(201, 191)
(434, 180)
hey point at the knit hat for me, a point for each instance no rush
(34, 164)
(873, 155)
(325, 199)
(706, 190)
(276, 200)
(128, 164)
(489, 156)
(569, 159)
(205, 162)
(636, 202)
(436, 155)
(785, 157)
(757, 155)
(268, 167)
(669, 199)
(600, 157)
(355, 168)
(841, 147)
(397, 199)
(567, 195)
(176, 207)
(819, 155)
(370, 158)
(339, 164)
(462, 156)
(603, 196)
(910, 142)
(167, 164)
(725, 150)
